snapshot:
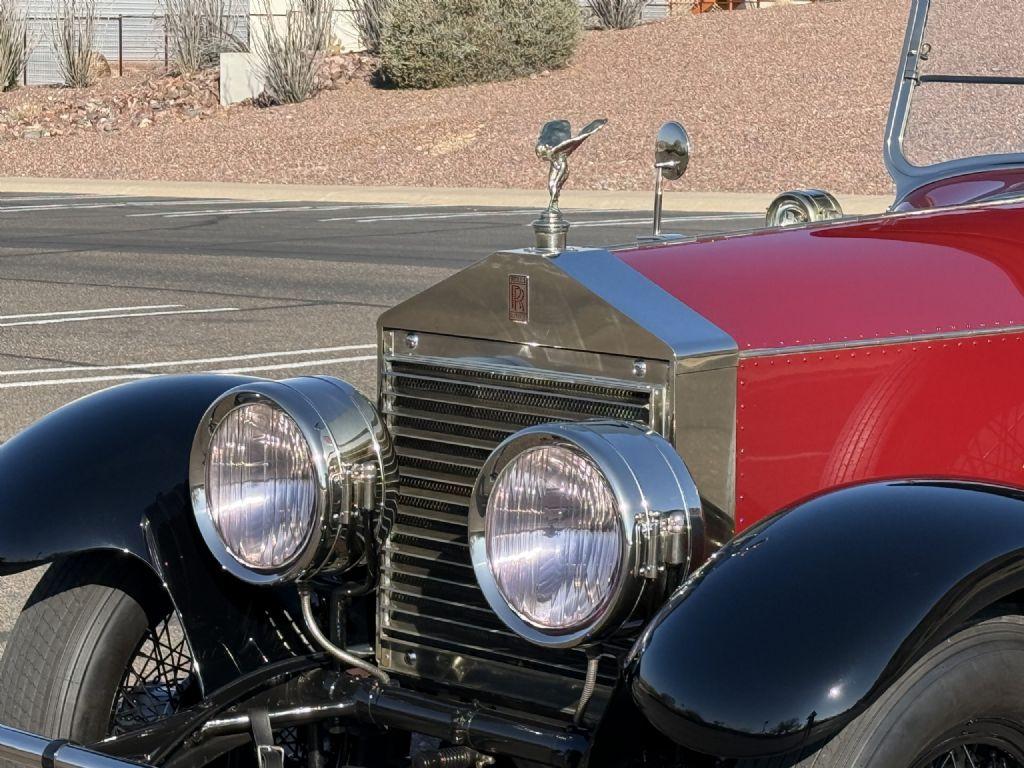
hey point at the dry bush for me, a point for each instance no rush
(74, 35)
(198, 31)
(14, 43)
(290, 50)
(439, 43)
(618, 14)
(370, 17)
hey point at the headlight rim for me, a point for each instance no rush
(317, 405)
(586, 438)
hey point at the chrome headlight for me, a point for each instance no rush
(569, 523)
(278, 468)
(803, 206)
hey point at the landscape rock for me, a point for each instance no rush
(138, 104)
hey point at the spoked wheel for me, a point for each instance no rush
(97, 651)
(977, 745)
(157, 681)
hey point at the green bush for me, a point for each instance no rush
(438, 43)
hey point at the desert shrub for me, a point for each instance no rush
(370, 17)
(198, 31)
(74, 35)
(290, 50)
(14, 43)
(438, 43)
(618, 14)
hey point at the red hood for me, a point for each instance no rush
(921, 273)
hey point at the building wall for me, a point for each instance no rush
(346, 38)
(656, 9)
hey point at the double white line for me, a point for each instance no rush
(106, 313)
(154, 369)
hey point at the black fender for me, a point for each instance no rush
(109, 473)
(799, 624)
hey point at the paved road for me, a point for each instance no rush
(97, 291)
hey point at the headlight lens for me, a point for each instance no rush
(281, 473)
(572, 524)
(261, 486)
(554, 537)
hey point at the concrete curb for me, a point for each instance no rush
(738, 202)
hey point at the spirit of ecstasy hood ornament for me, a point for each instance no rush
(555, 144)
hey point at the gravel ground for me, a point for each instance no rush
(791, 96)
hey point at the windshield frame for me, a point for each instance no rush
(905, 174)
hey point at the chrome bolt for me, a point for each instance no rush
(410, 658)
(412, 340)
(640, 368)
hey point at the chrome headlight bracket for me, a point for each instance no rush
(659, 506)
(352, 461)
(803, 206)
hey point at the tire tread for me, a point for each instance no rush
(72, 631)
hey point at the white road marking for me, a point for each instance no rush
(668, 220)
(121, 203)
(306, 364)
(176, 363)
(104, 310)
(430, 216)
(251, 211)
(51, 321)
(41, 198)
(134, 376)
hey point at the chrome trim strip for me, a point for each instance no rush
(881, 342)
(908, 176)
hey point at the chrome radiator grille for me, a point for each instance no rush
(446, 416)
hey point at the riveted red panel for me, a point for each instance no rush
(900, 275)
(811, 422)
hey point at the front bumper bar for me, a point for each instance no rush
(32, 751)
(296, 692)
(373, 704)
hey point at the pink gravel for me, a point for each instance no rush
(791, 96)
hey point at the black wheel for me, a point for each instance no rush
(961, 706)
(96, 651)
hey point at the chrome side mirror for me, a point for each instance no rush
(803, 206)
(672, 152)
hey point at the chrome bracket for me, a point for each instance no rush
(663, 541)
(358, 484)
(268, 754)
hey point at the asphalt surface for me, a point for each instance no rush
(97, 291)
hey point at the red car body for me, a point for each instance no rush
(860, 342)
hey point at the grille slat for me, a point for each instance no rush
(440, 431)
(456, 416)
(528, 402)
(454, 483)
(412, 457)
(446, 418)
(409, 490)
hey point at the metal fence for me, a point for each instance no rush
(124, 41)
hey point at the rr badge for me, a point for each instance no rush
(519, 298)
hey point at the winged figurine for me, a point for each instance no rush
(555, 144)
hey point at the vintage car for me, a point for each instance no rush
(747, 500)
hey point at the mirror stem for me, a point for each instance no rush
(658, 199)
(659, 192)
